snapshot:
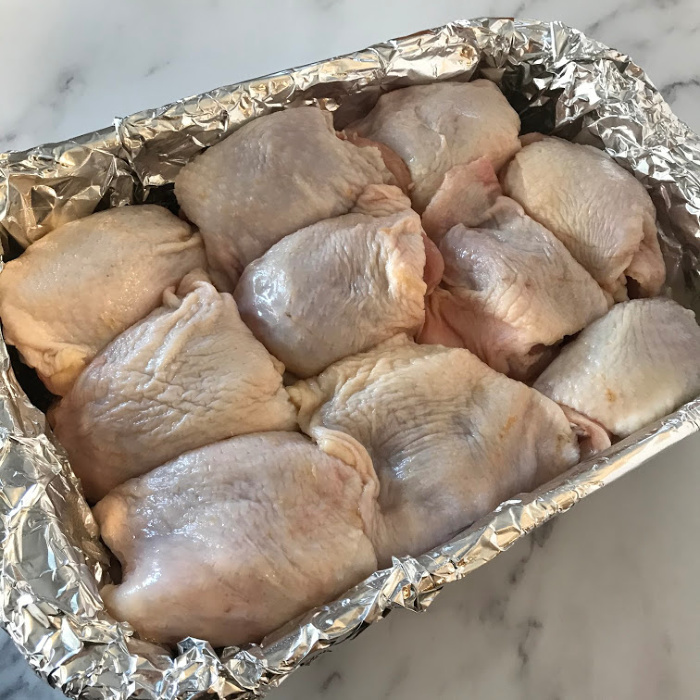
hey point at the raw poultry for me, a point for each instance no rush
(600, 212)
(189, 374)
(634, 365)
(448, 437)
(440, 126)
(371, 270)
(78, 287)
(338, 248)
(465, 196)
(273, 176)
(228, 542)
(511, 292)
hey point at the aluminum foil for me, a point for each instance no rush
(53, 564)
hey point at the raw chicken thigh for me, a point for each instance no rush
(449, 437)
(273, 176)
(465, 197)
(228, 542)
(188, 375)
(598, 210)
(633, 366)
(78, 287)
(510, 291)
(436, 127)
(336, 288)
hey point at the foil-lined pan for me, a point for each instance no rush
(52, 561)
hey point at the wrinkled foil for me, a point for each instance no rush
(52, 562)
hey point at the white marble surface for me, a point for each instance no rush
(601, 604)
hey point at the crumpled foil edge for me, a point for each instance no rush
(53, 564)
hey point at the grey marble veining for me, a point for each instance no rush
(17, 681)
(95, 61)
(603, 602)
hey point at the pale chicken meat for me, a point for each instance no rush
(442, 125)
(598, 210)
(229, 542)
(78, 287)
(634, 365)
(336, 288)
(381, 200)
(275, 175)
(189, 374)
(510, 292)
(449, 437)
(465, 197)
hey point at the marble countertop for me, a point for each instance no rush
(602, 602)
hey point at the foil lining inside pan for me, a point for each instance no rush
(53, 564)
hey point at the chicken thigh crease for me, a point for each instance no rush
(598, 210)
(448, 437)
(273, 176)
(189, 374)
(77, 288)
(510, 292)
(438, 126)
(338, 287)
